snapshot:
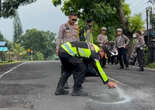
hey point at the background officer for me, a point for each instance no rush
(102, 38)
(86, 33)
(140, 43)
(121, 44)
(71, 56)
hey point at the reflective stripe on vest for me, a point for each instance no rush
(97, 49)
(67, 48)
(101, 72)
(83, 52)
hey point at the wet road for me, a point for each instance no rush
(31, 86)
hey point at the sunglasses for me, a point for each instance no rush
(74, 19)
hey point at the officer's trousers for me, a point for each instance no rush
(71, 65)
(140, 57)
(122, 54)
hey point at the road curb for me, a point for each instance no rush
(150, 69)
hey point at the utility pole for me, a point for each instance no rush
(0, 8)
(147, 23)
(150, 31)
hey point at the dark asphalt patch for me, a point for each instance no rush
(15, 101)
(18, 89)
(4, 68)
(23, 75)
(140, 88)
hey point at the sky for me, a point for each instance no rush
(44, 16)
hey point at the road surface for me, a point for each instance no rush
(31, 86)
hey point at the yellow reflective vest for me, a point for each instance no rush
(91, 37)
(85, 52)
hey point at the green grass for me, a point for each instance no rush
(152, 65)
(9, 62)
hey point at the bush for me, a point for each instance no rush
(38, 56)
(146, 56)
(152, 65)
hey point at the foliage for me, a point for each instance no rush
(38, 56)
(39, 41)
(1, 37)
(153, 19)
(17, 27)
(146, 56)
(9, 7)
(109, 13)
(136, 23)
(152, 65)
(18, 51)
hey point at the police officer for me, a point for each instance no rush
(71, 55)
(86, 33)
(68, 32)
(140, 49)
(121, 43)
(102, 38)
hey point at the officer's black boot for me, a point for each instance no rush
(77, 89)
(79, 92)
(122, 67)
(127, 67)
(141, 68)
(61, 92)
(60, 88)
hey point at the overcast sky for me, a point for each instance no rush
(44, 16)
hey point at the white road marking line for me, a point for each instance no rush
(12, 69)
(52, 61)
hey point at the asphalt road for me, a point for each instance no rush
(31, 86)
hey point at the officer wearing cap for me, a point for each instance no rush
(71, 55)
(68, 32)
(140, 43)
(102, 38)
(121, 43)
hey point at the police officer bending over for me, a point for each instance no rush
(71, 55)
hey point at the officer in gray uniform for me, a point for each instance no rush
(140, 43)
(121, 43)
(68, 32)
(102, 38)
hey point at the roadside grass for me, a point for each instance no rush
(9, 62)
(152, 65)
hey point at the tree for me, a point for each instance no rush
(136, 23)
(153, 19)
(1, 37)
(38, 56)
(17, 27)
(39, 41)
(109, 13)
(18, 51)
(8, 7)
